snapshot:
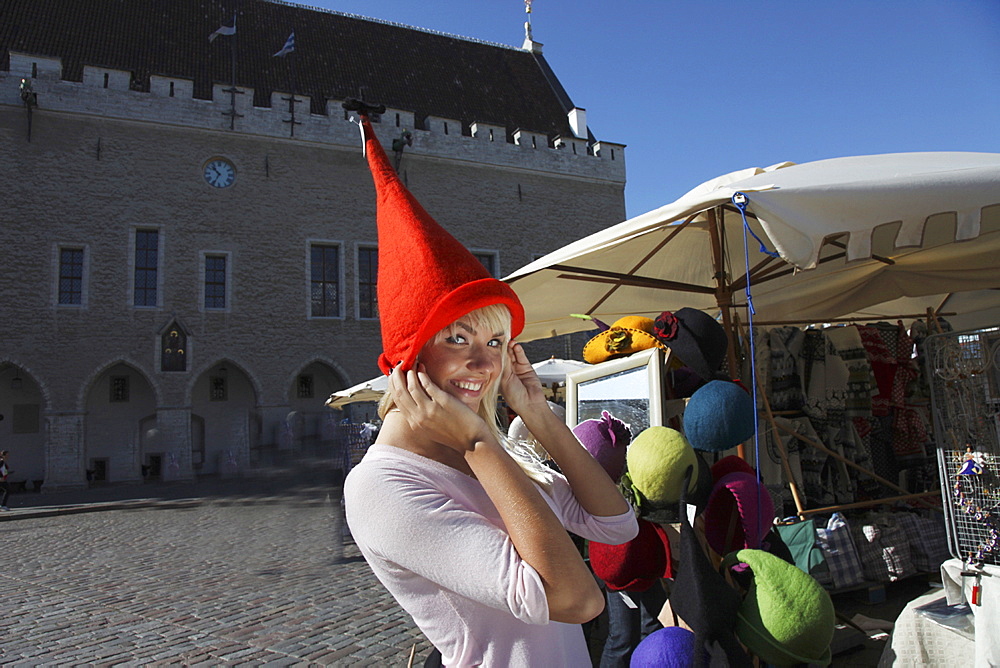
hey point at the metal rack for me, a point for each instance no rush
(964, 375)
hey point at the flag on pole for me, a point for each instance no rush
(224, 30)
(288, 47)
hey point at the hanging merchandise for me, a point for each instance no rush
(964, 374)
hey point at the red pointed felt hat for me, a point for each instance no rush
(426, 278)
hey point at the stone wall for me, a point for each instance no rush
(104, 162)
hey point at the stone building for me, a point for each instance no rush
(188, 226)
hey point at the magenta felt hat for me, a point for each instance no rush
(606, 439)
(730, 464)
(739, 513)
(637, 564)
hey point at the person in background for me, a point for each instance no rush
(4, 486)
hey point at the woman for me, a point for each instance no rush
(468, 535)
(455, 527)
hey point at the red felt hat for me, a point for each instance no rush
(426, 278)
(637, 564)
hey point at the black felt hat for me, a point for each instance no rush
(705, 601)
(694, 336)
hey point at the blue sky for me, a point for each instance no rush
(699, 89)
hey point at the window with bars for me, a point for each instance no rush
(71, 276)
(119, 389)
(215, 281)
(367, 282)
(305, 387)
(324, 292)
(218, 389)
(147, 246)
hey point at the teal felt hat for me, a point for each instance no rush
(786, 617)
(719, 415)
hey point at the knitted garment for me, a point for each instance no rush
(888, 348)
(910, 431)
(876, 435)
(761, 364)
(812, 357)
(786, 383)
(846, 341)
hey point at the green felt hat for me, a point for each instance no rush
(657, 460)
(786, 617)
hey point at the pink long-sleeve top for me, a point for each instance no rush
(435, 540)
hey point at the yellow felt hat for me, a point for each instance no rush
(626, 336)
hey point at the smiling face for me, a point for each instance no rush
(467, 359)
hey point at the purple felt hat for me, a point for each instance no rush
(739, 513)
(670, 647)
(606, 439)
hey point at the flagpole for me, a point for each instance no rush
(292, 100)
(233, 91)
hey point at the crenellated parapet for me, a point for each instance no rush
(110, 93)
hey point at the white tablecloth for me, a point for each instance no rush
(987, 614)
(918, 641)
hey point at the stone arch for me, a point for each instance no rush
(309, 424)
(115, 401)
(81, 399)
(242, 368)
(7, 363)
(24, 400)
(225, 417)
(342, 376)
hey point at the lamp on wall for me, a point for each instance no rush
(16, 382)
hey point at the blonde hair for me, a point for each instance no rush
(494, 318)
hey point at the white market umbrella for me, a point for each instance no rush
(554, 370)
(852, 234)
(369, 390)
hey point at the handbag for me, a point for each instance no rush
(841, 554)
(803, 543)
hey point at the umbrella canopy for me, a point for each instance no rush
(370, 390)
(852, 235)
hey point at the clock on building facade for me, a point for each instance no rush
(219, 173)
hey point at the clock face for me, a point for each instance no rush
(219, 173)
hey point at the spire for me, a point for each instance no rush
(529, 42)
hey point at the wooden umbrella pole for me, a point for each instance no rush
(836, 455)
(871, 502)
(724, 300)
(723, 295)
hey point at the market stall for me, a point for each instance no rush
(827, 266)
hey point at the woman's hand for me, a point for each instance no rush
(430, 410)
(520, 385)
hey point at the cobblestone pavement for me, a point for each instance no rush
(222, 580)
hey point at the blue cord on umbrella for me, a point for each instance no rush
(741, 201)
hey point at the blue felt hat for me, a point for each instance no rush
(719, 415)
